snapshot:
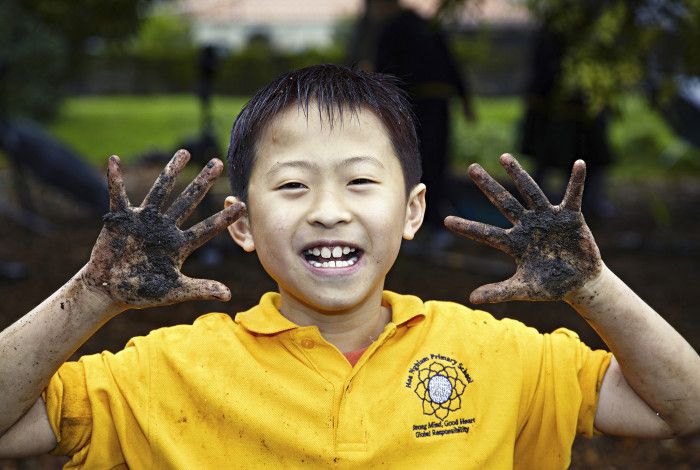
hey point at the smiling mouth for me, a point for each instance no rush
(337, 256)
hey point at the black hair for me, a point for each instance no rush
(334, 89)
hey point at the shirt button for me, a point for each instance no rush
(308, 343)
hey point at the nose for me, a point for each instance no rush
(328, 209)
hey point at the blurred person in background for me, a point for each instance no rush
(415, 50)
(558, 127)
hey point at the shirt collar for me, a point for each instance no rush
(265, 318)
(407, 309)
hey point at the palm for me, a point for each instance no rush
(140, 250)
(554, 250)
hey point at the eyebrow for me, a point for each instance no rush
(301, 164)
(361, 159)
(306, 165)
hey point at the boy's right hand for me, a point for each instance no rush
(137, 258)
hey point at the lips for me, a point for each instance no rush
(332, 255)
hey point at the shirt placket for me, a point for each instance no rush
(348, 408)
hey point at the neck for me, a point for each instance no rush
(348, 330)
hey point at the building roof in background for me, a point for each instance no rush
(269, 11)
(300, 24)
(322, 11)
(484, 11)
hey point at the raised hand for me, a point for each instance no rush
(140, 250)
(554, 250)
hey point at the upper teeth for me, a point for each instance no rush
(329, 252)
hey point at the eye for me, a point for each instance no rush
(361, 181)
(292, 185)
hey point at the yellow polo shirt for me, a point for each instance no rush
(443, 385)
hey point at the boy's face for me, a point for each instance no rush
(327, 208)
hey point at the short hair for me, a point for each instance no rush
(334, 88)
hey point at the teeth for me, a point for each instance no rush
(328, 252)
(333, 263)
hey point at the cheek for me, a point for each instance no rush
(269, 233)
(383, 206)
(387, 223)
(272, 229)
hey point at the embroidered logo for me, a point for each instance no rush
(440, 388)
(439, 381)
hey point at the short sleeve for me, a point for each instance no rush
(98, 407)
(68, 409)
(562, 379)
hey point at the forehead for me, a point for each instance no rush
(318, 136)
(340, 122)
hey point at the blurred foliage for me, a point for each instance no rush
(163, 58)
(643, 144)
(43, 44)
(614, 46)
(31, 64)
(162, 36)
(79, 21)
(641, 139)
(246, 70)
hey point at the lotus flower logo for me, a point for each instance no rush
(440, 389)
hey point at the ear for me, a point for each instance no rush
(415, 210)
(240, 229)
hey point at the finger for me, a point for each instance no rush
(531, 192)
(193, 194)
(207, 229)
(201, 289)
(482, 233)
(574, 190)
(497, 194)
(166, 180)
(118, 200)
(504, 291)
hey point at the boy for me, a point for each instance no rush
(332, 370)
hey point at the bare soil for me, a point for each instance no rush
(653, 243)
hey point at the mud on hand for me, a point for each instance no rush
(554, 250)
(140, 250)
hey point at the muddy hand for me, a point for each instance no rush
(140, 250)
(554, 250)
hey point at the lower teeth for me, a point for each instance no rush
(333, 263)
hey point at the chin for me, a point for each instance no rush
(334, 302)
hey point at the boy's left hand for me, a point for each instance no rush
(554, 250)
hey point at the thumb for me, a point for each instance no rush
(202, 289)
(498, 292)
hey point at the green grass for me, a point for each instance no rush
(131, 125)
(97, 127)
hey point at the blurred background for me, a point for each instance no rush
(615, 82)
